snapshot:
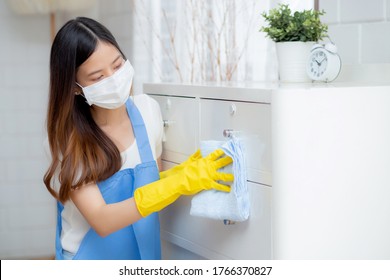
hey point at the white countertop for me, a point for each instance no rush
(226, 91)
(252, 91)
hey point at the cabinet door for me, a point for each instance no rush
(212, 239)
(249, 121)
(181, 121)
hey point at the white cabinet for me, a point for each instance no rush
(323, 186)
(213, 239)
(190, 117)
(180, 116)
(252, 123)
(331, 172)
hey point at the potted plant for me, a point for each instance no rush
(294, 35)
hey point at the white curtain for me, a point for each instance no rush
(197, 41)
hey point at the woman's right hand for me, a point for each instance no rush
(193, 177)
(195, 156)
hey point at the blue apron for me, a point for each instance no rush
(140, 240)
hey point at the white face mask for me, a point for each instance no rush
(111, 92)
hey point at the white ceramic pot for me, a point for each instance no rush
(292, 60)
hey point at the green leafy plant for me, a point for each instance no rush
(304, 26)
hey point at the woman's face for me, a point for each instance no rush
(103, 62)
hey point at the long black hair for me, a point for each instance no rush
(81, 151)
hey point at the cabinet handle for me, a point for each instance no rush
(228, 222)
(167, 123)
(232, 109)
(227, 133)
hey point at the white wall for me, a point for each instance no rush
(26, 210)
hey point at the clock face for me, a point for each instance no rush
(318, 64)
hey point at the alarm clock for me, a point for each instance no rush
(324, 63)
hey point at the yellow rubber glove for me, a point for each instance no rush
(195, 156)
(194, 177)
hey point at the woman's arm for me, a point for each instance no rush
(159, 164)
(104, 218)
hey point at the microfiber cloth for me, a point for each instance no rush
(219, 205)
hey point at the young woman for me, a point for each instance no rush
(104, 147)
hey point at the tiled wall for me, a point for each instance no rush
(27, 212)
(360, 28)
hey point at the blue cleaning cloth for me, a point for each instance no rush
(219, 205)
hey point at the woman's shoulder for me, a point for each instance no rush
(146, 104)
(143, 99)
(151, 114)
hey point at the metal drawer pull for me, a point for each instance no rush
(228, 222)
(229, 133)
(167, 123)
(232, 109)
